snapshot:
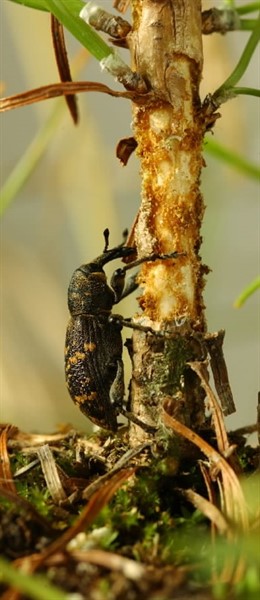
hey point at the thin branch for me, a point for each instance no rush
(216, 20)
(221, 21)
(226, 90)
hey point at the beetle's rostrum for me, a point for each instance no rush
(93, 349)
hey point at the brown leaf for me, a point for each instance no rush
(125, 148)
(63, 63)
(222, 439)
(234, 504)
(53, 90)
(208, 509)
(6, 476)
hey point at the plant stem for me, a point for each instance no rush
(166, 49)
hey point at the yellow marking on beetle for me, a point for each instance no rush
(77, 357)
(86, 398)
(89, 346)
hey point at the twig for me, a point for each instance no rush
(51, 475)
(214, 344)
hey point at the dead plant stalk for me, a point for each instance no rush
(166, 49)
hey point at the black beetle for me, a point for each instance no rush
(93, 349)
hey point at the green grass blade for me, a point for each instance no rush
(36, 587)
(38, 4)
(231, 158)
(29, 159)
(247, 292)
(247, 24)
(246, 91)
(248, 8)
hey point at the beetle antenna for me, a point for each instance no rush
(124, 236)
(106, 238)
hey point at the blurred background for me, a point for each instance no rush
(78, 188)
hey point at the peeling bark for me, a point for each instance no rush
(166, 50)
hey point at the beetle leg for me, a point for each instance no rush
(131, 285)
(117, 389)
(118, 278)
(121, 287)
(121, 322)
(131, 417)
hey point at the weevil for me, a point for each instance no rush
(93, 348)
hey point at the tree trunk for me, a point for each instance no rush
(166, 49)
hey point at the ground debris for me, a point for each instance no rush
(129, 523)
